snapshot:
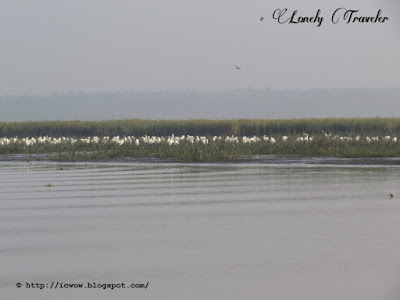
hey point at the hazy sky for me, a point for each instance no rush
(52, 46)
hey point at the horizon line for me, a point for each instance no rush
(193, 91)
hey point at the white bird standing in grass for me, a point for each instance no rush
(386, 138)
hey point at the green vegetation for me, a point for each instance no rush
(137, 127)
(220, 151)
(213, 151)
(80, 140)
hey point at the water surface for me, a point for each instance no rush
(201, 231)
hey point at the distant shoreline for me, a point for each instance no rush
(192, 104)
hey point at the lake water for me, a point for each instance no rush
(295, 230)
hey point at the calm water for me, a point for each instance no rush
(201, 231)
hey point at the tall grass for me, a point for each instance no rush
(221, 151)
(138, 127)
(212, 151)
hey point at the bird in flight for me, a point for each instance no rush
(262, 19)
(391, 195)
(237, 68)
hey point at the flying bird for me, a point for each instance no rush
(262, 19)
(391, 195)
(237, 68)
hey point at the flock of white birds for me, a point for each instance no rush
(176, 140)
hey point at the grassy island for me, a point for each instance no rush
(202, 140)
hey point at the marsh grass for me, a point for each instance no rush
(213, 151)
(221, 151)
(138, 127)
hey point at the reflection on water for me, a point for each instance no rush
(201, 231)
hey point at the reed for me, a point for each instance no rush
(138, 127)
(205, 148)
